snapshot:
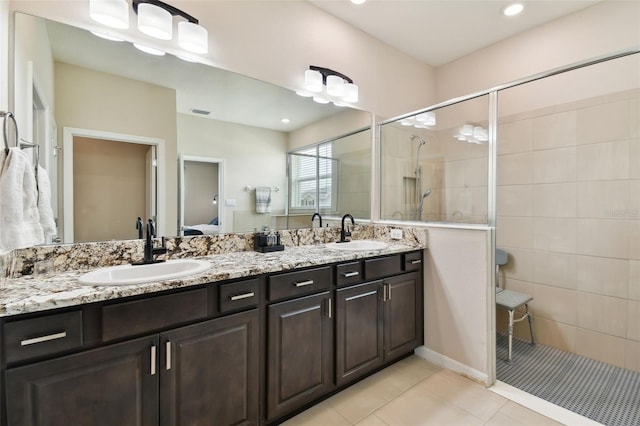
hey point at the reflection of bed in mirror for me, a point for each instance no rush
(203, 228)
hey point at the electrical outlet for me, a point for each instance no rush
(396, 234)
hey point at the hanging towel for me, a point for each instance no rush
(45, 210)
(263, 199)
(19, 218)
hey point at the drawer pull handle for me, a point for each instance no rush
(303, 283)
(168, 350)
(416, 262)
(42, 339)
(153, 360)
(350, 274)
(243, 296)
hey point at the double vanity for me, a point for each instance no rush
(253, 339)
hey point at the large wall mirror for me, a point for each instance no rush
(103, 111)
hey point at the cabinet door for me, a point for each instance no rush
(300, 353)
(114, 385)
(209, 372)
(359, 330)
(403, 315)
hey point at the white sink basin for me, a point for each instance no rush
(358, 245)
(138, 274)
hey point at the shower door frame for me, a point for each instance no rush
(492, 160)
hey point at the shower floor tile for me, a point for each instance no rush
(604, 393)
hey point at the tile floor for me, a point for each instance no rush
(415, 392)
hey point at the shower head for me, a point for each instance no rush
(426, 194)
(420, 140)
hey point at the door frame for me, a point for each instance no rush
(181, 188)
(69, 133)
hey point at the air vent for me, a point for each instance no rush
(200, 111)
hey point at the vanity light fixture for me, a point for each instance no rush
(326, 85)
(149, 50)
(155, 18)
(423, 120)
(106, 36)
(472, 134)
(112, 13)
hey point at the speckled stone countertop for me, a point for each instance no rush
(31, 293)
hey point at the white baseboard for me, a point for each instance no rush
(451, 364)
(539, 405)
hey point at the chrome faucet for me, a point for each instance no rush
(346, 233)
(149, 250)
(319, 219)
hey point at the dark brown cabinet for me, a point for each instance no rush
(239, 352)
(114, 385)
(359, 331)
(403, 326)
(209, 372)
(299, 353)
(376, 322)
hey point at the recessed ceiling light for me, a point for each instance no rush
(513, 9)
(358, 1)
(284, 120)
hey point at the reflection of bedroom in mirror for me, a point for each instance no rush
(201, 185)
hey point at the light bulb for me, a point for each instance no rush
(193, 37)
(313, 81)
(112, 13)
(154, 21)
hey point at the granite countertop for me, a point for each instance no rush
(39, 293)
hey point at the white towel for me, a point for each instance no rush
(47, 220)
(263, 199)
(19, 218)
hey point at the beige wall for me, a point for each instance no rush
(276, 41)
(455, 300)
(32, 48)
(253, 157)
(93, 100)
(108, 174)
(604, 28)
(569, 216)
(4, 55)
(331, 127)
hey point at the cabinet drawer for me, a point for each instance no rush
(382, 267)
(413, 261)
(238, 295)
(152, 314)
(297, 283)
(349, 273)
(41, 336)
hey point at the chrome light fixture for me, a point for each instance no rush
(326, 85)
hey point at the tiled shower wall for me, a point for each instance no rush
(569, 215)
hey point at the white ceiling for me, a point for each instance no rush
(439, 31)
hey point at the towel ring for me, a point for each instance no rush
(5, 129)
